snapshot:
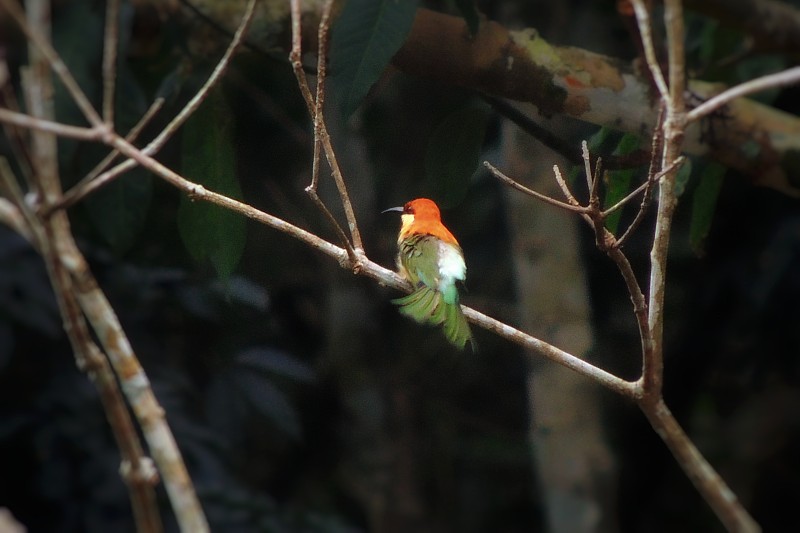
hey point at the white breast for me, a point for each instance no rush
(451, 265)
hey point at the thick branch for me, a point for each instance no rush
(521, 66)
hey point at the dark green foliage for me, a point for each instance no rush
(619, 181)
(469, 10)
(704, 203)
(301, 399)
(366, 36)
(211, 232)
(682, 177)
(453, 154)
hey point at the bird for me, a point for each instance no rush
(430, 257)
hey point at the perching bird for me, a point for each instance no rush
(431, 259)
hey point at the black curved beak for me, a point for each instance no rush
(401, 209)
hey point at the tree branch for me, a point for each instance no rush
(770, 81)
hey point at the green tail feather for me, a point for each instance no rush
(426, 306)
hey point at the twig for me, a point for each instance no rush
(55, 62)
(646, 33)
(158, 142)
(94, 179)
(139, 477)
(227, 34)
(539, 196)
(319, 125)
(315, 110)
(673, 21)
(192, 105)
(673, 136)
(371, 269)
(296, 56)
(48, 126)
(16, 214)
(591, 182)
(110, 43)
(646, 185)
(656, 147)
(14, 133)
(633, 194)
(564, 187)
(708, 483)
(702, 475)
(770, 81)
(58, 241)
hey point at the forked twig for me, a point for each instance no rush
(94, 179)
(110, 44)
(539, 196)
(316, 111)
(13, 8)
(656, 146)
(319, 127)
(191, 106)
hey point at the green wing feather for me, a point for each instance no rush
(419, 257)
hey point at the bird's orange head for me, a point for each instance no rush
(422, 216)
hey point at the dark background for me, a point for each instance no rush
(300, 398)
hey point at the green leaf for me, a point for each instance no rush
(211, 232)
(619, 181)
(453, 154)
(599, 139)
(682, 177)
(704, 202)
(469, 10)
(366, 36)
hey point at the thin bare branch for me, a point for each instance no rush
(11, 216)
(709, 484)
(158, 142)
(539, 196)
(72, 281)
(62, 130)
(564, 187)
(94, 179)
(633, 194)
(17, 137)
(94, 363)
(296, 56)
(319, 132)
(13, 211)
(646, 32)
(50, 238)
(673, 21)
(58, 66)
(656, 147)
(191, 106)
(716, 492)
(316, 109)
(110, 44)
(674, 125)
(771, 81)
(373, 270)
(678, 162)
